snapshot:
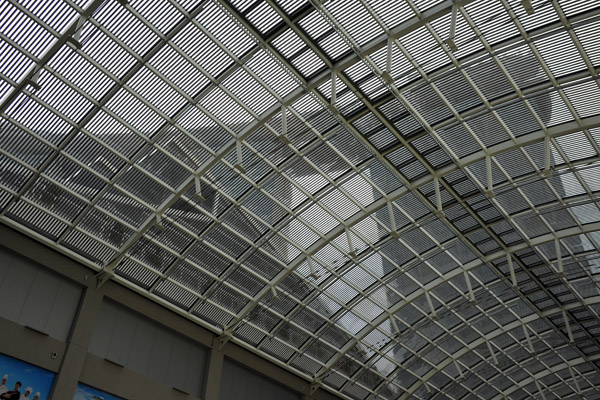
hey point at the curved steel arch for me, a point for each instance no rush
(491, 335)
(402, 29)
(534, 137)
(450, 275)
(546, 372)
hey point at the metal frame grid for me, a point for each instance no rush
(392, 200)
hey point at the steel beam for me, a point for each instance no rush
(451, 275)
(50, 52)
(552, 370)
(494, 334)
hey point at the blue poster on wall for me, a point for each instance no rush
(21, 380)
(85, 392)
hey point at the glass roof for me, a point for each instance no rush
(390, 199)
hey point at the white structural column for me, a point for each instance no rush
(77, 346)
(214, 370)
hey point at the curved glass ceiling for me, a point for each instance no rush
(394, 200)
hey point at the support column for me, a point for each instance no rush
(77, 346)
(212, 384)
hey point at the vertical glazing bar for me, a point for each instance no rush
(394, 325)
(284, 126)
(333, 88)
(394, 230)
(470, 287)
(388, 60)
(575, 381)
(488, 170)
(198, 187)
(528, 338)
(568, 326)
(313, 272)
(511, 268)
(559, 260)
(491, 350)
(431, 307)
(239, 160)
(539, 388)
(352, 251)
(547, 157)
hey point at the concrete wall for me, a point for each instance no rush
(53, 316)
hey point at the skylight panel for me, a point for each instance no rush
(579, 95)
(23, 30)
(143, 187)
(488, 130)
(270, 72)
(428, 104)
(264, 17)
(81, 73)
(105, 51)
(161, 14)
(23, 147)
(88, 247)
(179, 71)
(425, 51)
(292, 45)
(334, 46)
(591, 178)
(114, 134)
(97, 157)
(39, 119)
(182, 147)
(175, 294)
(229, 299)
(219, 24)
(319, 218)
(560, 112)
(367, 309)
(35, 219)
(339, 204)
(137, 150)
(355, 20)
(129, 108)
(488, 78)
(105, 228)
(543, 13)
(195, 45)
(226, 109)
(464, 36)
(227, 180)
(587, 35)
(517, 117)
(70, 174)
(56, 94)
(156, 91)
(203, 128)
(249, 91)
(492, 21)
(163, 167)
(126, 208)
(391, 13)
(52, 197)
(57, 14)
(130, 30)
(314, 25)
(300, 234)
(576, 146)
(13, 65)
(564, 62)
(455, 88)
